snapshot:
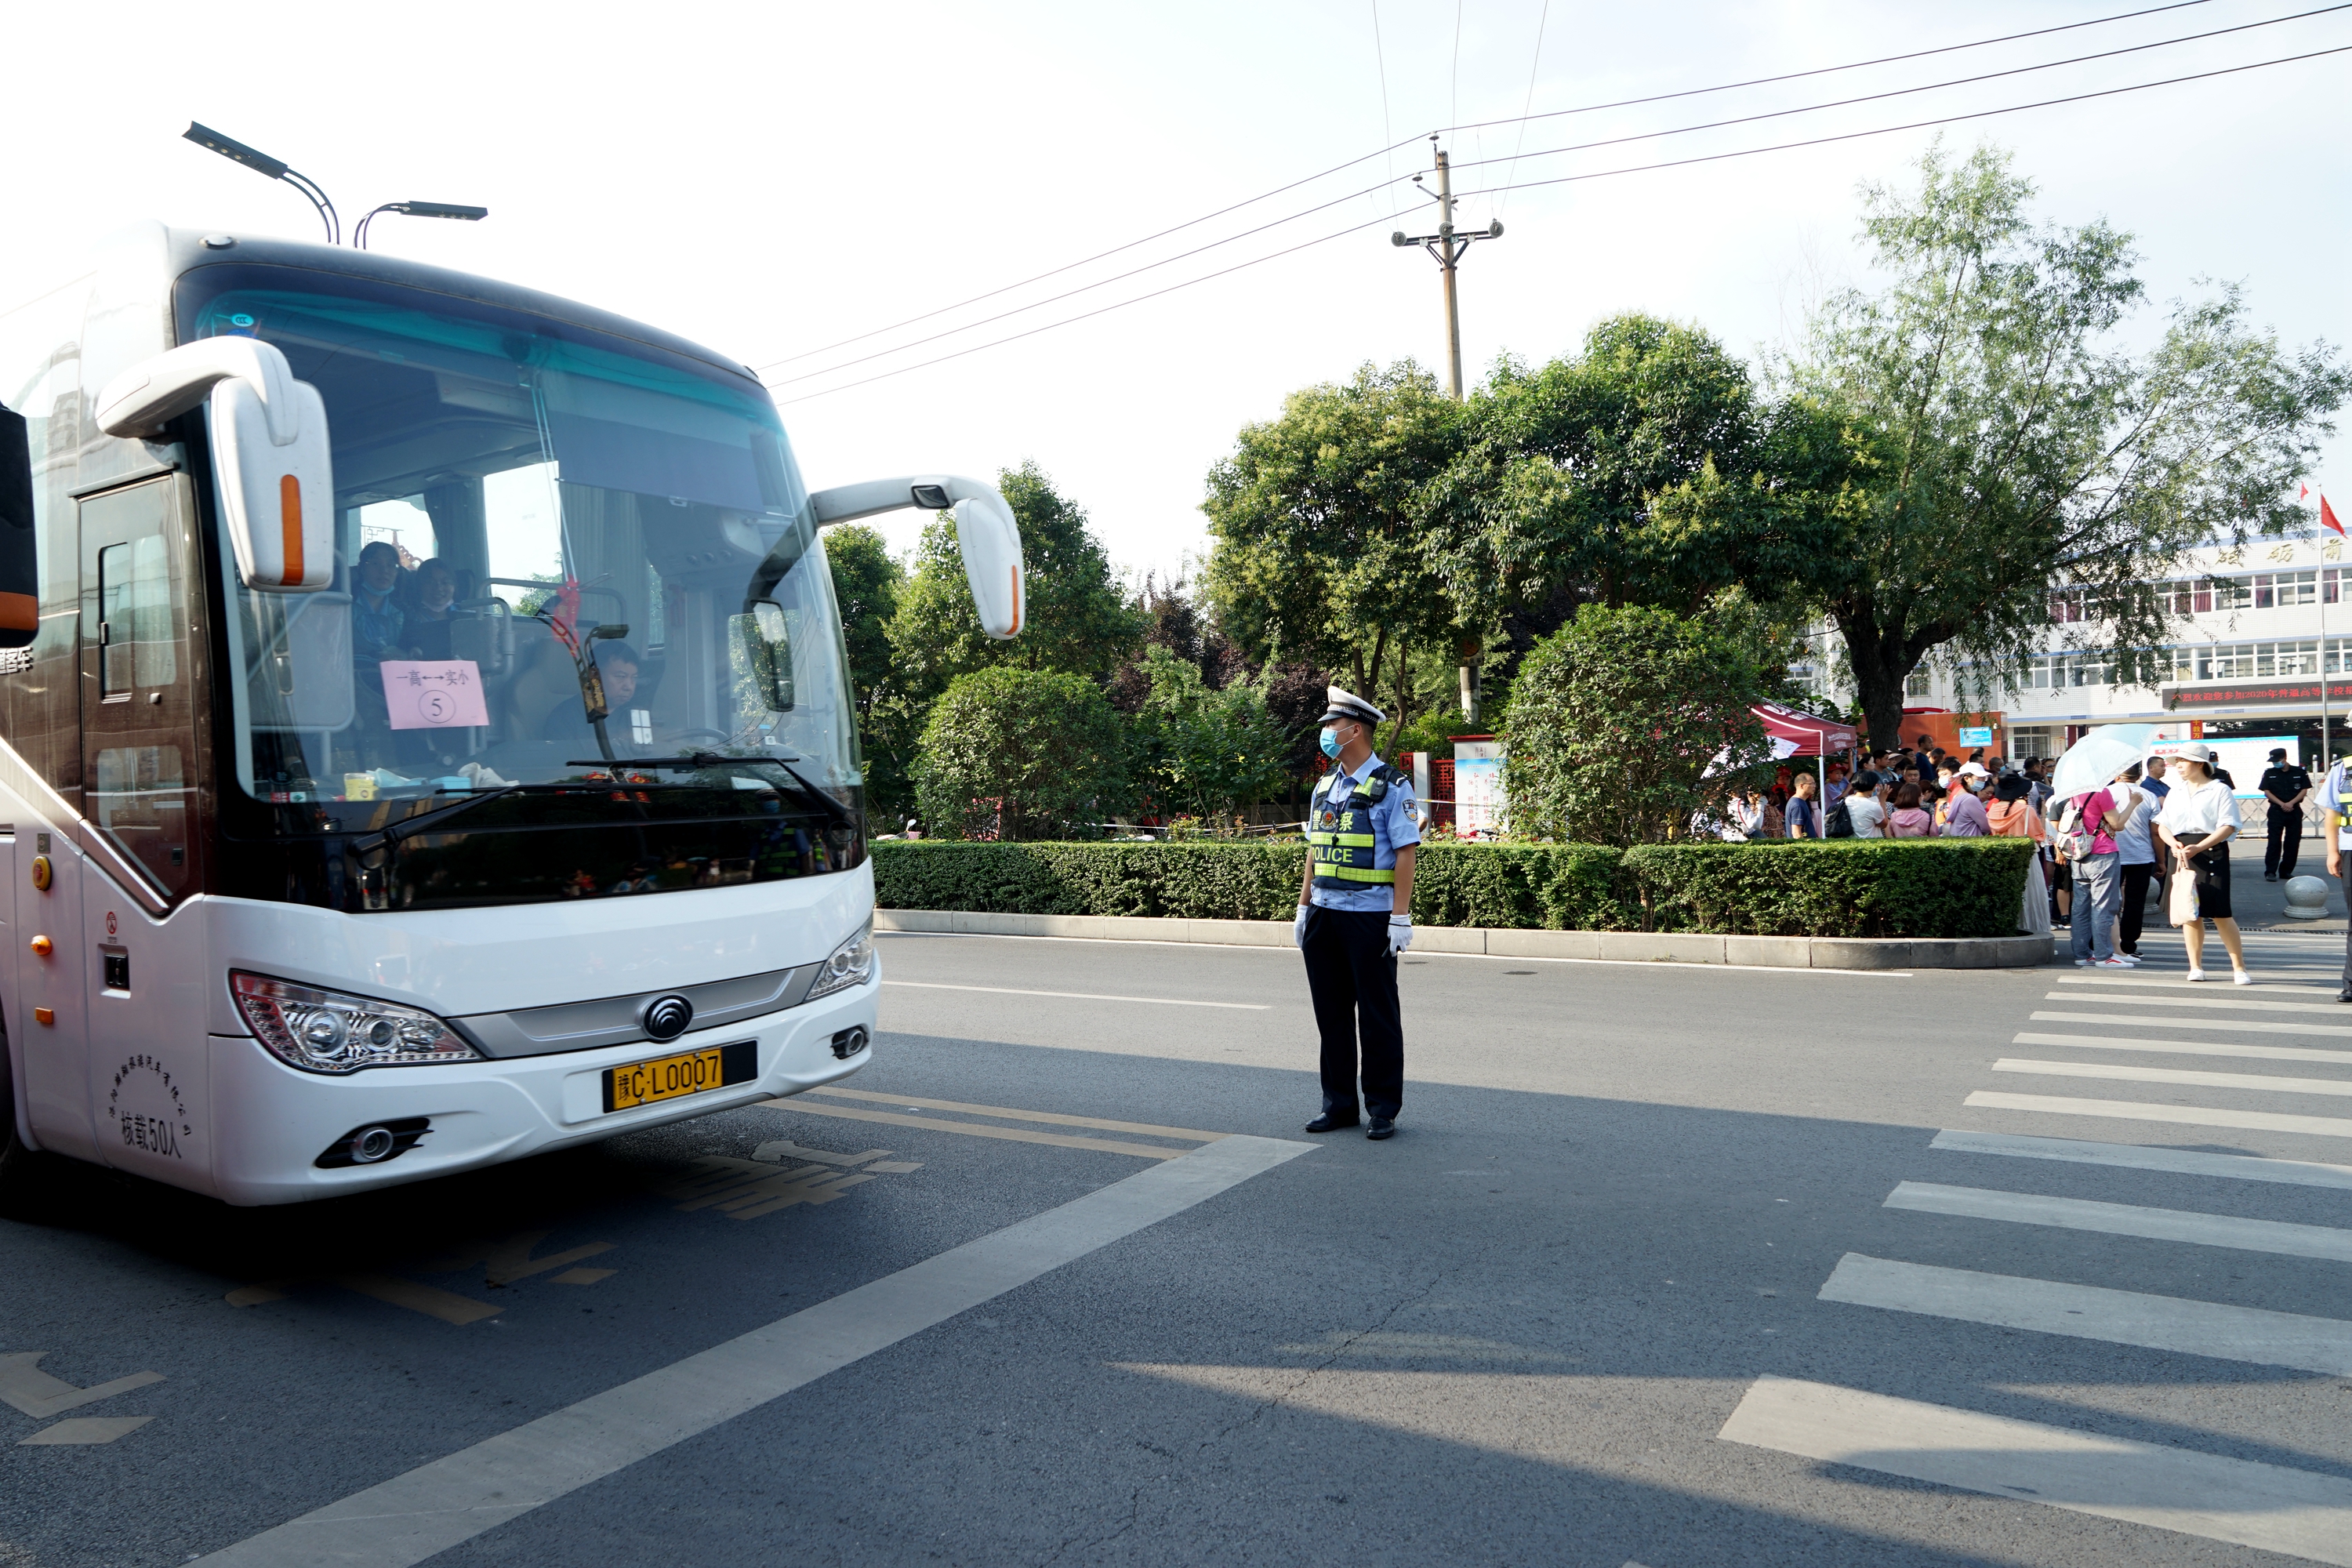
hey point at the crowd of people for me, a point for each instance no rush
(2164, 824)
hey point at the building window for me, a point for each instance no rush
(1919, 683)
(2032, 741)
(2282, 590)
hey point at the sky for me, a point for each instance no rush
(771, 180)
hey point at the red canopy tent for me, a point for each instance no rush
(1797, 734)
(1808, 735)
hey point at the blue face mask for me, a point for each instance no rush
(1330, 741)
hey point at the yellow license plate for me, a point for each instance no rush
(689, 1072)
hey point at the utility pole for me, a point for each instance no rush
(1448, 247)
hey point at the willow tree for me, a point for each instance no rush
(2009, 439)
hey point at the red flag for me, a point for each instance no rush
(2327, 516)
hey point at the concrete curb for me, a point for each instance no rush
(1664, 947)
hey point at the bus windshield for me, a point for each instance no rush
(564, 559)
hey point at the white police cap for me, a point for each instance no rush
(1342, 704)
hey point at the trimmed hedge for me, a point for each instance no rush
(1844, 887)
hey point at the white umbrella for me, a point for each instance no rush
(2090, 763)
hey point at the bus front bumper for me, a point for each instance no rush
(280, 1121)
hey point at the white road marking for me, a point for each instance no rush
(2187, 1048)
(2143, 1157)
(2234, 999)
(2268, 1507)
(24, 1385)
(86, 1429)
(2145, 1110)
(2127, 1219)
(437, 1506)
(2090, 1313)
(2262, 1082)
(2338, 1030)
(2260, 987)
(1082, 995)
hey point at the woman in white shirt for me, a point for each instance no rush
(2198, 818)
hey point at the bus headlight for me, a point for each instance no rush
(851, 963)
(327, 1031)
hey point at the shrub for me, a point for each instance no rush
(1939, 888)
(1615, 720)
(1024, 754)
(1845, 886)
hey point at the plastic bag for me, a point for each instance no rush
(2183, 905)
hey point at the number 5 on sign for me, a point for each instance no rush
(438, 694)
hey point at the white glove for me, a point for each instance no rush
(1298, 928)
(1399, 934)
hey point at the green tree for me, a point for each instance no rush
(1031, 753)
(1204, 752)
(1641, 470)
(1315, 517)
(2005, 441)
(1078, 619)
(1616, 719)
(866, 580)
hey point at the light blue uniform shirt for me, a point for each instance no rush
(2336, 796)
(1393, 828)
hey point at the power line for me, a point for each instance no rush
(1609, 141)
(1930, 87)
(1381, 59)
(1854, 66)
(1573, 179)
(1394, 144)
(1533, 66)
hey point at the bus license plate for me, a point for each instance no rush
(689, 1072)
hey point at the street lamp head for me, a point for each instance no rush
(437, 209)
(1495, 229)
(235, 151)
(1399, 239)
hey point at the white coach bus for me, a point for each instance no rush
(425, 730)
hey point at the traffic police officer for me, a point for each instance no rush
(1354, 917)
(2284, 788)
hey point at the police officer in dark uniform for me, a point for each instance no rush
(2285, 789)
(1354, 917)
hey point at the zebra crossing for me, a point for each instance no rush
(2162, 1065)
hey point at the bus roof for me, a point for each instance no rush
(189, 251)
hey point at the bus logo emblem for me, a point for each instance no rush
(667, 1016)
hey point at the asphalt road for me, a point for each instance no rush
(1661, 1269)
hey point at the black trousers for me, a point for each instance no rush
(1352, 976)
(2136, 880)
(2285, 844)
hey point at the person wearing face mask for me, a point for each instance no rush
(1354, 917)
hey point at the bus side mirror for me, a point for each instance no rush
(991, 541)
(273, 473)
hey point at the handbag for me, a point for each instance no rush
(2182, 904)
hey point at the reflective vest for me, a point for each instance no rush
(1340, 836)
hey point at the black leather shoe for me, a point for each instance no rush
(2345, 994)
(1381, 1127)
(1327, 1123)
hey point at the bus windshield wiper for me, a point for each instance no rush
(407, 826)
(698, 760)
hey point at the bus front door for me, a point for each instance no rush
(139, 974)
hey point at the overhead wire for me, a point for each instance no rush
(1535, 65)
(1571, 179)
(1852, 66)
(1388, 128)
(1608, 142)
(1930, 87)
(1394, 144)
